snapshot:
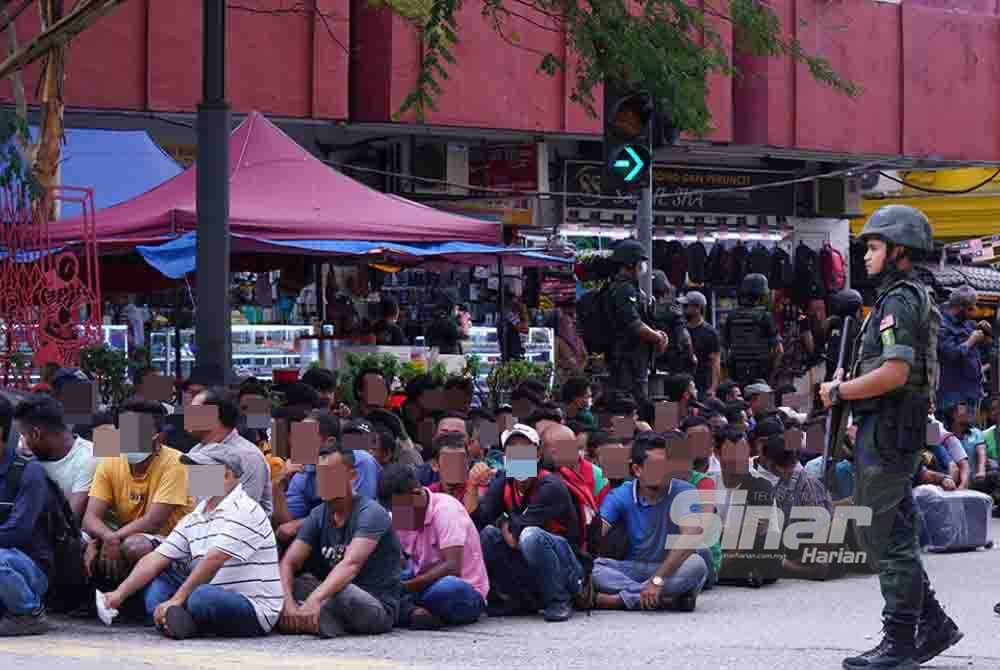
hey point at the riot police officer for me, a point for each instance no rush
(749, 334)
(889, 394)
(635, 341)
(667, 315)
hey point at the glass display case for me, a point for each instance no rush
(257, 350)
(484, 341)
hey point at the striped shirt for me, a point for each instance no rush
(239, 527)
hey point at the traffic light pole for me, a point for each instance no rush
(645, 219)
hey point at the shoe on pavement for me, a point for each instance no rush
(933, 640)
(180, 623)
(586, 599)
(35, 623)
(686, 602)
(558, 611)
(896, 651)
(421, 619)
(996, 608)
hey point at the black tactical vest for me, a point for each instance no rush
(749, 349)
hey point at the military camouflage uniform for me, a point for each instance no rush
(629, 364)
(886, 454)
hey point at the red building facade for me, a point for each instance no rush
(927, 70)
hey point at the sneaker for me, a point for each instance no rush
(559, 611)
(421, 619)
(180, 624)
(35, 623)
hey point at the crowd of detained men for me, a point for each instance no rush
(428, 515)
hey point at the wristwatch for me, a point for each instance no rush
(657, 581)
(835, 394)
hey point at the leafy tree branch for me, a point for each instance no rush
(669, 47)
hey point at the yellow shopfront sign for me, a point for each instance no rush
(975, 214)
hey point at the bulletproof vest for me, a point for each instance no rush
(925, 372)
(747, 343)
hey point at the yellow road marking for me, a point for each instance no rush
(177, 655)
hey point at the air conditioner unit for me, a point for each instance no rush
(876, 182)
(837, 197)
(441, 162)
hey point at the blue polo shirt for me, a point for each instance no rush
(302, 496)
(648, 525)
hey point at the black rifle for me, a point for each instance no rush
(835, 415)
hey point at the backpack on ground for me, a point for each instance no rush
(594, 319)
(68, 584)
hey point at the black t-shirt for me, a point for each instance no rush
(705, 339)
(389, 334)
(380, 575)
(697, 258)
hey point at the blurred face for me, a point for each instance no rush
(692, 312)
(456, 426)
(584, 401)
(201, 435)
(229, 480)
(875, 257)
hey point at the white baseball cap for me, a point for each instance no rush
(524, 431)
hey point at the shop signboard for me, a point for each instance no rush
(672, 185)
(506, 166)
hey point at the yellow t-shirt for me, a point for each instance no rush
(164, 482)
(276, 463)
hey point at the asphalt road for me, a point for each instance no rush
(791, 624)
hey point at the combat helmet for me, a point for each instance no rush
(900, 225)
(628, 252)
(754, 287)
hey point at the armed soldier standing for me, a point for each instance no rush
(635, 342)
(749, 334)
(889, 394)
(666, 315)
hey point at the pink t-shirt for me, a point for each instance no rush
(447, 524)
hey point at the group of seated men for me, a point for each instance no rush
(551, 511)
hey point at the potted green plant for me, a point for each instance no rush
(388, 364)
(109, 368)
(506, 376)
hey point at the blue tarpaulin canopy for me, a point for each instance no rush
(177, 257)
(117, 164)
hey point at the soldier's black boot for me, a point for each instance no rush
(896, 651)
(936, 630)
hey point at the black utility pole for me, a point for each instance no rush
(212, 324)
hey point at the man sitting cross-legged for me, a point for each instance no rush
(445, 580)
(217, 572)
(353, 554)
(136, 500)
(651, 576)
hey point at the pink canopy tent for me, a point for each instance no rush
(279, 191)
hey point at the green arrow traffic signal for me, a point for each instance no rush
(634, 162)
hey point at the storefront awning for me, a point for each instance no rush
(178, 257)
(951, 216)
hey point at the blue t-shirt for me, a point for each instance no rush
(969, 443)
(648, 526)
(302, 496)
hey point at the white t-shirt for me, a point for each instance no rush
(75, 472)
(239, 527)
